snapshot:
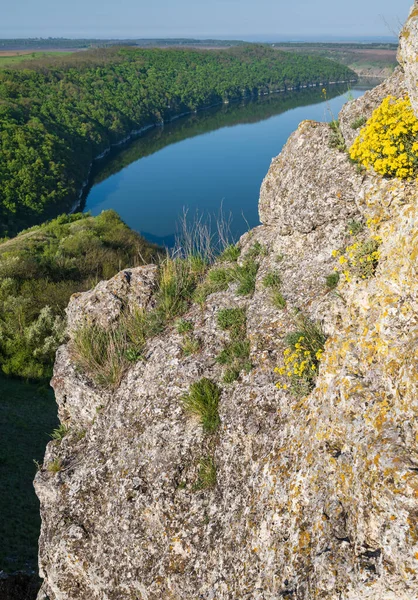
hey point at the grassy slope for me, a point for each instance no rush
(24, 433)
(6, 59)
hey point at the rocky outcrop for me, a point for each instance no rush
(316, 496)
(357, 112)
(407, 54)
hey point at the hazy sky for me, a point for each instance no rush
(202, 18)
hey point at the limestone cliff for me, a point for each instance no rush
(315, 496)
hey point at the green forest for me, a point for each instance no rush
(58, 114)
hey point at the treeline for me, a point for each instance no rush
(81, 44)
(42, 267)
(56, 115)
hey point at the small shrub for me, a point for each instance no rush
(389, 141)
(203, 401)
(55, 466)
(332, 280)
(60, 432)
(359, 260)
(206, 477)
(359, 122)
(183, 326)
(302, 356)
(230, 254)
(190, 345)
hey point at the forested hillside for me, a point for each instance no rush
(58, 114)
(39, 271)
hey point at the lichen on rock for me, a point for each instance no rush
(314, 496)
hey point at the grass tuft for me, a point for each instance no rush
(55, 466)
(203, 401)
(190, 345)
(183, 326)
(359, 122)
(272, 280)
(232, 319)
(206, 477)
(278, 300)
(60, 432)
(245, 276)
(230, 254)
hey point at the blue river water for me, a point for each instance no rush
(217, 157)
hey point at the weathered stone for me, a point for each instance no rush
(103, 304)
(305, 175)
(407, 54)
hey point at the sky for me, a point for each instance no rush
(235, 19)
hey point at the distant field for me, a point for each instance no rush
(9, 57)
(368, 60)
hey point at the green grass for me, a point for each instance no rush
(357, 123)
(11, 60)
(219, 278)
(272, 280)
(256, 250)
(203, 401)
(278, 300)
(183, 326)
(235, 354)
(230, 254)
(105, 354)
(190, 345)
(54, 466)
(60, 432)
(27, 414)
(206, 477)
(232, 319)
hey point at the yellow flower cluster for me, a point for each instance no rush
(389, 141)
(360, 259)
(300, 365)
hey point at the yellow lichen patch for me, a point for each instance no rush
(389, 141)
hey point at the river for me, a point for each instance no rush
(202, 161)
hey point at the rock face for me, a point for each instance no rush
(316, 497)
(407, 54)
